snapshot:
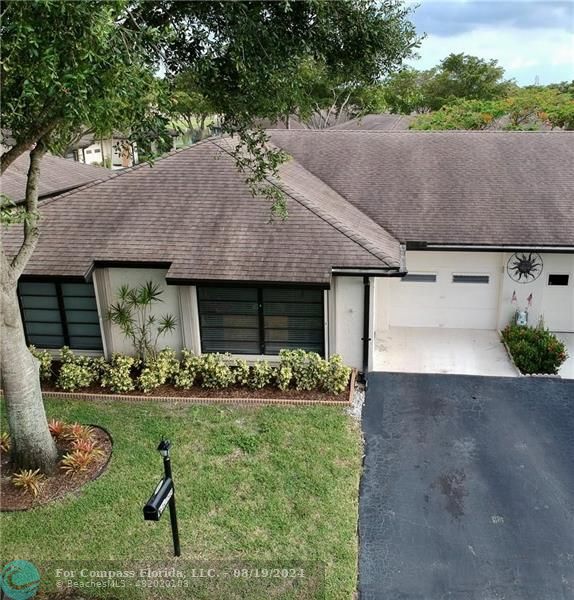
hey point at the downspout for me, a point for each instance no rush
(366, 322)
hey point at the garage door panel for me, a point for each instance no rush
(444, 303)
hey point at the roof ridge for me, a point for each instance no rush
(333, 221)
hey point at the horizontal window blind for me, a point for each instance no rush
(60, 314)
(260, 320)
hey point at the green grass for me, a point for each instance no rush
(263, 487)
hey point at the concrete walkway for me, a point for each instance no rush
(435, 350)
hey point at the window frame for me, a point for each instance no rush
(64, 321)
(469, 276)
(261, 329)
(427, 277)
(567, 275)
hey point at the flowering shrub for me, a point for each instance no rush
(337, 375)
(158, 370)
(260, 376)
(215, 371)
(118, 373)
(188, 370)
(534, 349)
(45, 359)
(76, 371)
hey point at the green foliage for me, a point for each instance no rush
(242, 372)
(462, 114)
(308, 368)
(189, 368)
(215, 370)
(161, 369)
(534, 349)
(76, 371)
(133, 315)
(458, 76)
(337, 375)
(261, 375)
(284, 377)
(524, 109)
(45, 359)
(117, 375)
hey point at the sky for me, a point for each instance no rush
(529, 38)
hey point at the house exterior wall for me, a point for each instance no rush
(473, 305)
(555, 304)
(346, 297)
(108, 281)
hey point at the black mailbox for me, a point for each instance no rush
(158, 500)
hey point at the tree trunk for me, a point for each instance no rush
(32, 446)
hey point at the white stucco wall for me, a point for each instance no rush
(483, 306)
(554, 303)
(347, 307)
(117, 277)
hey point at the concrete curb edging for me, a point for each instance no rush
(57, 395)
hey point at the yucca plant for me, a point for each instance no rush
(28, 481)
(133, 315)
(4, 441)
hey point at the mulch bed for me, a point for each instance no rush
(56, 486)
(236, 391)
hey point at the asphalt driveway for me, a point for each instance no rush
(468, 488)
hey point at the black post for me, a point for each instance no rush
(366, 324)
(172, 512)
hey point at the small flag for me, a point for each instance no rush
(529, 299)
(514, 299)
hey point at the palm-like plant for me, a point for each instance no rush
(133, 315)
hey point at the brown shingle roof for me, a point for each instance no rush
(492, 188)
(193, 210)
(56, 176)
(378, 122)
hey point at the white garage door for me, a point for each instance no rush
(447, 289)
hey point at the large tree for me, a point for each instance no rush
(456, 77)
(71, 66)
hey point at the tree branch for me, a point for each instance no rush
(31, 231)
(23, 145)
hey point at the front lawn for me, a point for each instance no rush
(264, 487)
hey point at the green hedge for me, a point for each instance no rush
(534, 349)
(296, 369)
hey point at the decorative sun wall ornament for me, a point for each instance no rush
(524, 267)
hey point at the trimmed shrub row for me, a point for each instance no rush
(297, 369)
(534, 349)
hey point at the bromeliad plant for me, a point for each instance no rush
(133, 315)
